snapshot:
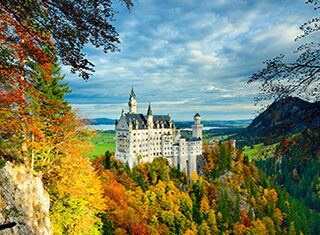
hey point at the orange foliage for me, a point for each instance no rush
(245, 220)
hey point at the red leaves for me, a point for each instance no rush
(245, 220)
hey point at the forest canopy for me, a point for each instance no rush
(69, 24)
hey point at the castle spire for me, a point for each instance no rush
(132, 102)
(150, 117)
(149, 110)
(132, 94)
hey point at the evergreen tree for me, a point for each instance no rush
(53, 88)
(292, 229)
(106, 160)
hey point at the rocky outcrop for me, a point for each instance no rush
(201, 163)
(23, 200)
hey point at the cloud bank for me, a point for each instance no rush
(188, 56)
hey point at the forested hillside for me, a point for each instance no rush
(229, 197)
(296, 167)
(288, 135)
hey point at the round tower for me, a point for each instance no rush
(197, 126)
(132, 102)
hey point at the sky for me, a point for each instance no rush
(189, 56)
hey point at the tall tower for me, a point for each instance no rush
(197, 126)
(132, 102)
(150, 117)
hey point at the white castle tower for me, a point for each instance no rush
(197, 126)
(132, 102)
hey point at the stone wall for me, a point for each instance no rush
(23, 200)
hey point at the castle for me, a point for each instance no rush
(141, 138)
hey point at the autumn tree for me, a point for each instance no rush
(71, 24)
(76, 196)
(32, 35)
(106, 160)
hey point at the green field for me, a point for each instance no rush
(224, 133)
(102, 142)
(259, 151)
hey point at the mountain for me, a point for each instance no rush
(182, 124)
(216, 123)
(100, 121)
(283, 117)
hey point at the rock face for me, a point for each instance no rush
(23, 200)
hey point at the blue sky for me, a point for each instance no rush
(189, 56)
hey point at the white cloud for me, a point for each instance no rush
(180, 53)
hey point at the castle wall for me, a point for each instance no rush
(144, 145)
(134, 146)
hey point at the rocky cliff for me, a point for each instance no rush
(23, 200)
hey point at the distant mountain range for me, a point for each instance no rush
(220, 124)
(283, 117)
(100, 121)
(182, 124)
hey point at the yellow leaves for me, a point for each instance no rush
(258, 227)
(194, 176)
(204, 229)
(185, 204)
(287, 204)
(270, 196)
(239, 189)
(253, 201)
(168, 217)
(278, 216)
(190, 232)
(204, 206)
(154, 220)
(212, 223)
(150, 197)
(239, 229)
(269, 225)
(80, 195)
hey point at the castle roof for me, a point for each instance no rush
(140, 120)
(191, 139)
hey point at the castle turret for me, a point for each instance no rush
(197, 126)
(150, 117)
(132, 102)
